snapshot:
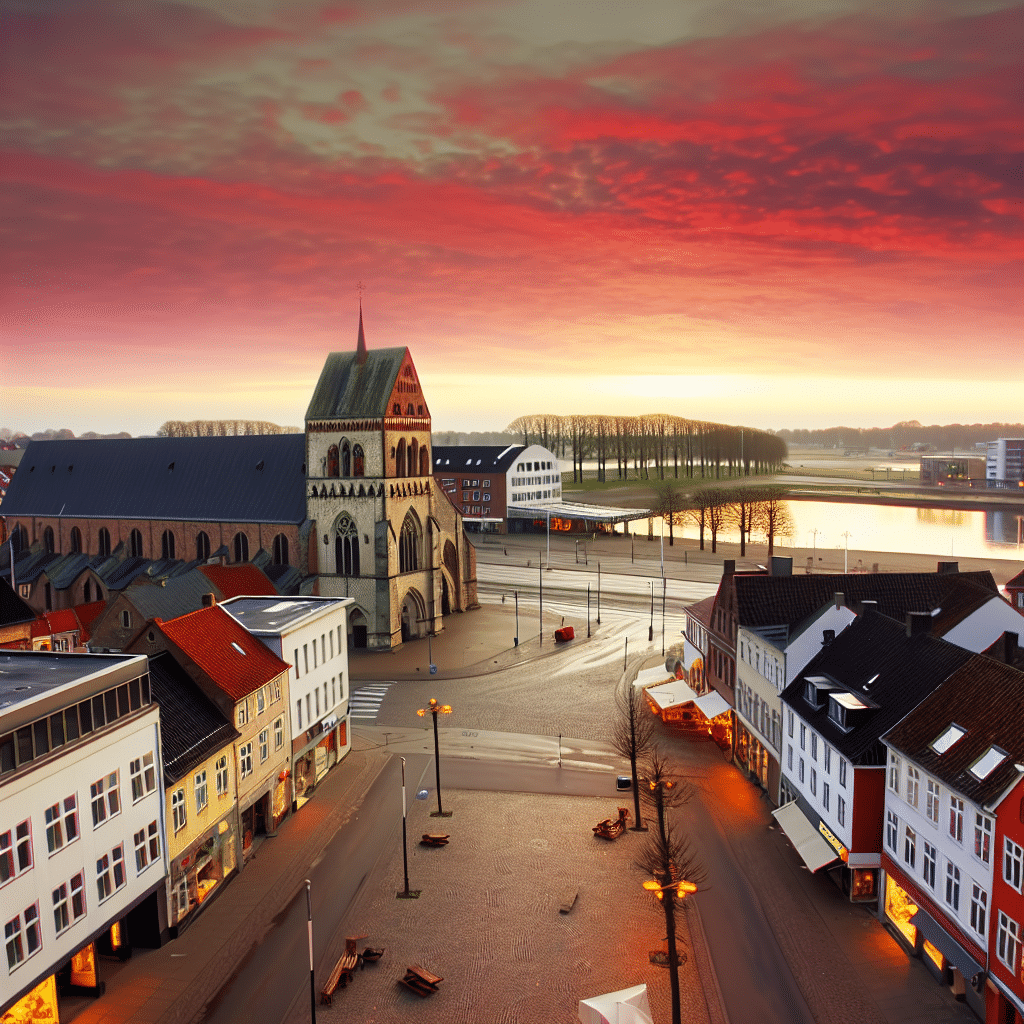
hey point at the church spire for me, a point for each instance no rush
(361, 343)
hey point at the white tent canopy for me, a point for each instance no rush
(627, 1006)
(649, 676)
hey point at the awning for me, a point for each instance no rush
(627, 1006)
(813, 850)
(672, 694)
(712, 704)
(649, 676)
(946, 944)
(576, 510)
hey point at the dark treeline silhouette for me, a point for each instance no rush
(221, 428)
(655, 446)
(903, 435)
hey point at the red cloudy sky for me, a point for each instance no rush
(801, 213)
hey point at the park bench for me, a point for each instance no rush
(422, 982)
(434, 839)
(340, 976)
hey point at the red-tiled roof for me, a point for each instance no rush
(239, 580)
(87, 615)
(61, 621)
(228, 653)
(701, 611)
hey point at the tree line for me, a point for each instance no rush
(221, 428)
(655, 445)
(959, 436)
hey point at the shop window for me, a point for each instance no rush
(899, 909)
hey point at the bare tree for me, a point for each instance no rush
(771, 515)
(633, 735)
(670, 504)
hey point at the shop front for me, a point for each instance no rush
(321, 751)
(198, 872)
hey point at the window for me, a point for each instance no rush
(982, 837)
(842, 772)
(814, 782)
(956, 818)
(789, 721)
(279, 733)
(814, 746)
(264, 745)
(143, 776)
(199, 784)
(298, 711)
(894, 772)
(803, 736)
(103, 542)
(824, 795)
(800, 773)
(1007, 944)
(154, 841)
(62, 823)
(931, 805)
(61, 917)
(77, 896)
(841, 810)
(979, 908)
(141, 852)
(76, 540)
(245, 760)
(110, 873)
(789, 758)
(135, 544)
(243, 713)
(913, 785)
(202, 546)
(15, 851)
(910, 846)
(280, 556)
(827, 754)
(1013, 864)
(891, 830)
(178, 809)
(928, 865)
(241, 547)
(952, 885)
(22, 936)
(126, 619)
(117, 862)
(106, 800)
(167, 544)
(222, 776)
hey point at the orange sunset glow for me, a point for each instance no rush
(781, 215)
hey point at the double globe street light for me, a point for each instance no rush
(434, 709)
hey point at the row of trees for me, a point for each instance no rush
(221, 428)
(961, 436)
(655, 446)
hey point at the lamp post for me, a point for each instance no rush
(650, 628)
(309, 931)
(599, 593)
(434, 709)
(588, 609)
(516, 592)
(406, 893)
(846, 551)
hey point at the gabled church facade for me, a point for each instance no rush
(388, 538)
(349, 507)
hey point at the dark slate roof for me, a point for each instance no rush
(247, 479)
(1017, 581)
(348, 389)
(191, 727)
(474, 458)
(764, 601)
(169, 596)
(12, 609)
(66, 569)
(1000, 650)
(875, 660)
(28, 565)
(984, 697)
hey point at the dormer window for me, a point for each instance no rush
(947, 739)
(843, 709)
(988, 762)
(815, 690)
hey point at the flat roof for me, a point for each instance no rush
(28, 676)
(280, 614)
(576, 510)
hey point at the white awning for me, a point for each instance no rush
(712, 704)
(627, 1006)
(813, 849)
(649, 676)
(671, 694)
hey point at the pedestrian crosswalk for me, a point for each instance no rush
(365, 702)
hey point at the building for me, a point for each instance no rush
(201, 806)
(1004, 467)
(848, 696)
(347, 509)
(16, 619)
(953, 763)
(952, 471)
(83, 852)
(248, 685)
(310, 633)
(1015, 591)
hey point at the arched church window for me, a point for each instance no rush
(167, 544)
(103, 542)
(346, 546)
(400, 459)
(48, 540)
(280, 555)
(87, 591)
(424, 461)
(202, 546)
(346, 459)
(76, 540)
(135, 544)
(409, 545)
(358, 461)
(396, 409)
(332, 460)
(241, 547)
(414, 458)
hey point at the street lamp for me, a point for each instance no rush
(681, 888)
(434, 709)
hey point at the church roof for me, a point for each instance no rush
(239, 479)
(356, 385)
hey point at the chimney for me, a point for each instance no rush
(948, 568)
(782, 565)
(868, 606)
(827, 636)
(729, 567)
(918, 623)
(1009, 647)
(209, 600)
(840, 599)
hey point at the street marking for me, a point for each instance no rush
(365, 702)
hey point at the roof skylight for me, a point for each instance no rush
(988, 762)
(237, 648)
(947, 739)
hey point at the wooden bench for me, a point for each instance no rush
(340, 976)
(434, 839)
(422, 982)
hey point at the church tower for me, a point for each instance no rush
(385, 536)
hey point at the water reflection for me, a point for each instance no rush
(889, 528)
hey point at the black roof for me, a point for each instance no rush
(244, 479)
(876, 661)
(191, 727)
(12, 609)
(763, 601)
(474, 458)
(983, 697)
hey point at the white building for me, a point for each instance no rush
(82, 832)
(1004, 465)
(310, 634)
